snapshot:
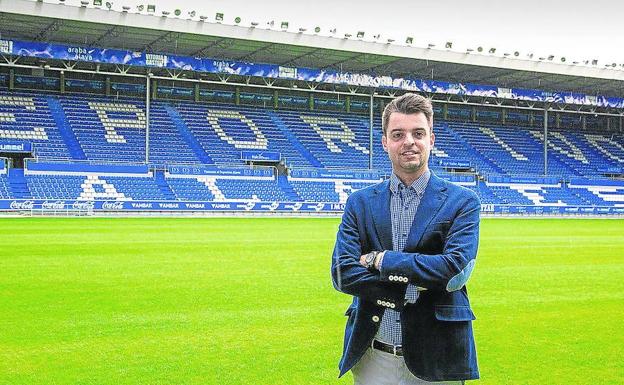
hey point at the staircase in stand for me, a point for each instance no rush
(75, 150)
(17, 184)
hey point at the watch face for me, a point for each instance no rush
(370, 258)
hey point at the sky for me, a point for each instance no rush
(574, 29)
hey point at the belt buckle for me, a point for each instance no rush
(394, 350)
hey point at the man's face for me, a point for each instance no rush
(408, 142)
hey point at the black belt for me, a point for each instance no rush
(388, 348)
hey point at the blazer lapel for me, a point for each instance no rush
(433, 197)
(380, 207)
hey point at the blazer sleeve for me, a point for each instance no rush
(348, 275)
(446, 271)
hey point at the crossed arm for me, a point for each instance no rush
(448, 270)
(348, 275)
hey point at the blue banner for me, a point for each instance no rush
(454, 163)
(496, 179)
(24, 147)
(611, 170)
(143, 59)
(369, 175)
(258, 155)
(551, 210)
(137, 206)
(292, 207)
(85, 85)
(201, 170)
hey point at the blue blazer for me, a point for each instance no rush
(439, 255)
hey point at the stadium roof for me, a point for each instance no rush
(46, 22)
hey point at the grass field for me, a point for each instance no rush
(250, 301)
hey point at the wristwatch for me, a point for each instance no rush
(370, 259)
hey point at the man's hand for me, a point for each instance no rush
(366, 260)
(363, 260)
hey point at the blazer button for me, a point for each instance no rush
(378, 302)
(392, 306)
(375, 318)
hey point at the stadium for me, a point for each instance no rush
(110, 116)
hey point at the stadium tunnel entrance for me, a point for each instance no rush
(15, 159)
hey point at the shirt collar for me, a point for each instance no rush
(418, 186)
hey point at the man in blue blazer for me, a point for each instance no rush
(404, 251)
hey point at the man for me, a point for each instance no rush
(404, 251)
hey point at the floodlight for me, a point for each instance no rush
(151, 8)
(97, 3)
(449, 45)
(492, 50)
(284, 25)
(177, 12)
(237, 19)
(317, 29)
(409, 40)
(360, 34)
(219, 16)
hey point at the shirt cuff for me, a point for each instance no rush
(381, 257)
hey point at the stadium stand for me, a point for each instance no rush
(27, 117)
(92, 187)
(89, 128)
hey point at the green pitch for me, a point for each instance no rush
(250, 301)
